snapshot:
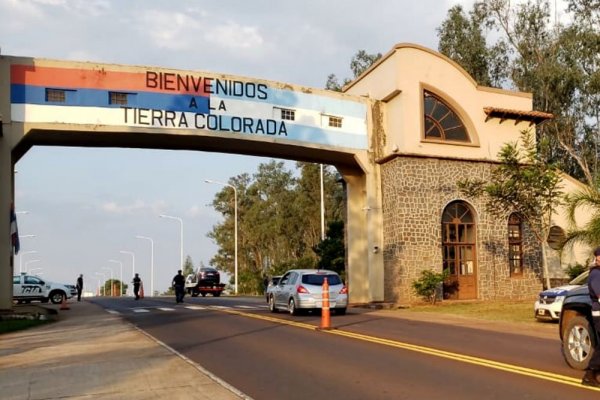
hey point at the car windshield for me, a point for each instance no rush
(317, 279)
(580, 279)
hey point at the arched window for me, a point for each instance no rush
(441, 122)
(556, 237)
(515, 244)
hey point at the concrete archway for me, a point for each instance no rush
(58, 103)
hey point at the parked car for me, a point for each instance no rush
(27, 288)
(549, 302)
(272, 282)
(576, 328)
(302, 289)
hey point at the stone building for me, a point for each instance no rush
(436, 127)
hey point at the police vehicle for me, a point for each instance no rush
(27, 288)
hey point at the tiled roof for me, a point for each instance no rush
(533, 117)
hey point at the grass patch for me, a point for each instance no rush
(13, 325)
(514, 311)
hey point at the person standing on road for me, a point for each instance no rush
(79, 286)
(179, 284)
(593, 368)
(137, 281)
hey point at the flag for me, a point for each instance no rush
(14, 231)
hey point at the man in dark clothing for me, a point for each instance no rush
(591, 372)
(179, 284)
(79, 286)
(136, 285)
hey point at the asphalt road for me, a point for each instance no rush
(367, 356)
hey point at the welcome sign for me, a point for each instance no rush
(185, 100)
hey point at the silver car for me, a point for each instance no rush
(302, 289)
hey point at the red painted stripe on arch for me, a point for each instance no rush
(103, 79)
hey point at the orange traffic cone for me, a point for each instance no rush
(63, 304)
(325, 314)
(141, 290)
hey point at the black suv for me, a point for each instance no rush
(576, 328)
(208, 276)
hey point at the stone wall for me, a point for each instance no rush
(415, 192)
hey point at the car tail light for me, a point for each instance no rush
(301, 289)
(344, 290)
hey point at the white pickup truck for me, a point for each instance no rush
(27, 288)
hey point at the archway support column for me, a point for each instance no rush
(365, 267)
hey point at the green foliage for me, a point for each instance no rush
(331, 251)
(106, 291)
(588, 200)
(360, 62)
(188, 266)
(573, 271)
(518, 45)
(278, 220)
(522, 183)
(462, 39)
(428, 284)
(13, 325)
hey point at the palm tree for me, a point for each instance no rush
(587, 199)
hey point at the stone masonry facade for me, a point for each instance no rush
(415, 192)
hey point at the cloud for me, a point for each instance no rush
(137, 207)
(235, 36)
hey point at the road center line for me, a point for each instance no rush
(515, 369)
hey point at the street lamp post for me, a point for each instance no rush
(121, 283)
(30, 262)
(132, 254)
(104, 283)
(235, 222)
(181, 244)
(151, 262)
(111, 280)
(21, 254)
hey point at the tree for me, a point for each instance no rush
(521, 183)
(559, 64)
(331, 251)
(278, 221)
(589, 234)
(360, 62)
(462, 39)
(188, 266)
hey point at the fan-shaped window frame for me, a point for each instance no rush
(441, 117)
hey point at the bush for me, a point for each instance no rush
(428, 284)
(574, 271)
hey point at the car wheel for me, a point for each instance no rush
(216, 294)
(292, 307)
(56, 297)
(340, 311)
(272, 307)
(577, 345)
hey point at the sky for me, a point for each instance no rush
(86, 205)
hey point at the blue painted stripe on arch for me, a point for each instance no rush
(302, 133)
(296, 99)
(27, 94)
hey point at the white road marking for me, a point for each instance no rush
(165, 309)
(140, 310)
(113, 312)
(195, 308)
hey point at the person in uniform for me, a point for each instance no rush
(179, 284)
(79, 286)
(591, 373)
(137, 281)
